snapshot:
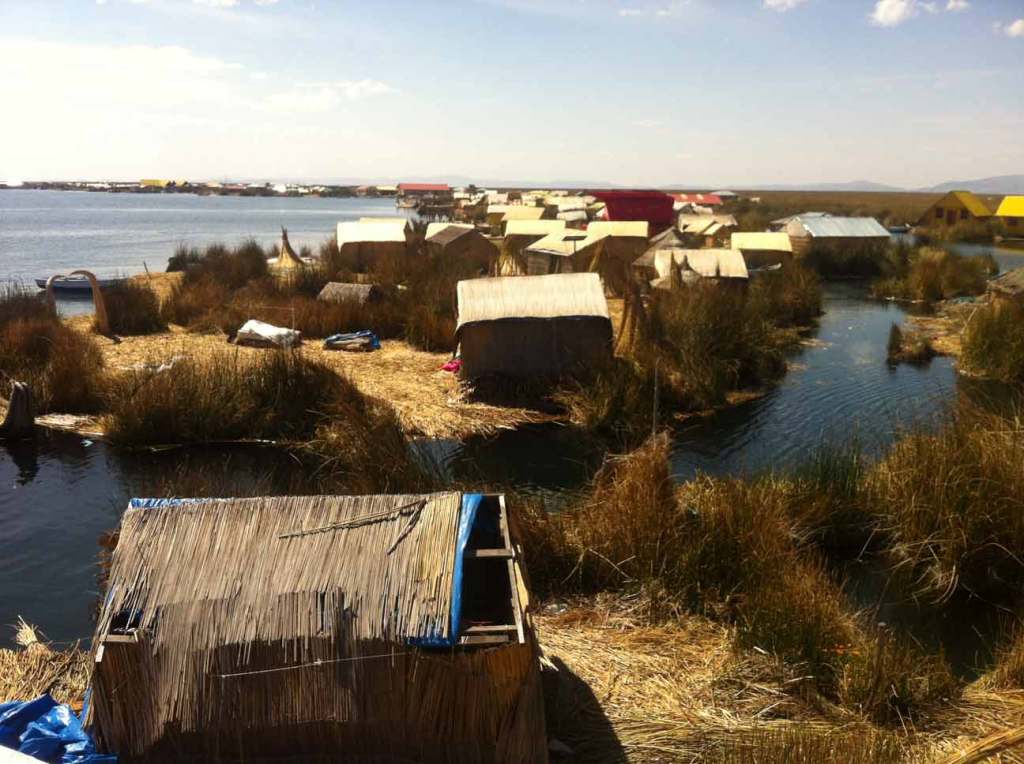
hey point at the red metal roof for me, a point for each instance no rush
(424, 187)
(653, 206)
(705, 200)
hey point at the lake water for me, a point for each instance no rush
(60, 493)
(46, 232)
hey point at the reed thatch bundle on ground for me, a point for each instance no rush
(295, 627)
(37, 668)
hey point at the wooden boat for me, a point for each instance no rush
(76, 284)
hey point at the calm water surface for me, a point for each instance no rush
(59, 494)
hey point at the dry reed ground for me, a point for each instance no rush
(943, 328)
(679, 692)
(428, 400)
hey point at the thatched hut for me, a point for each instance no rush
(359, 294)
(462, 242)
(532, 325)
(763, 250)
(824, 232)
(369, 244)
(559, 252)
(722, 265)
(321, 628)
(519, 234)
(706, 230)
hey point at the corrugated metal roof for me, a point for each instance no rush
(772, 242)
(709, 263)
(522, 212)
(561, 295)
(353, 232)
(600, 229)
(1011, 207)
(533, 227)
(829, 227)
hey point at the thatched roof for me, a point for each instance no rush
(448, 233)
(209, 573)
(708, 263)
(337, 291)
(670, 238)
(435, 228)
(566, 295)
(533, 227)
(600, 229)
(522, 212)
(767, 242)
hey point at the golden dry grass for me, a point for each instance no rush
(37, 668)
(429, 401)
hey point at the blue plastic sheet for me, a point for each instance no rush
(467, 517)
(48, 731)
(340, 340)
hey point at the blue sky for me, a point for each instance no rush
(635, 92)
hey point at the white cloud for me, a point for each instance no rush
(324, 96)
(1016, 29)
(628, 12)
(891, 13)
(217, 3)
(274, 2)
(782, 5)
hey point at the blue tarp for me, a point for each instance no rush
(467, 516)
(48, 731)
(364, 339)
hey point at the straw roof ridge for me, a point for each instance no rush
(563, 295)
(204, 574)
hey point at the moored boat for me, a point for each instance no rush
(76, 284)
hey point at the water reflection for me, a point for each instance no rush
(24, 455)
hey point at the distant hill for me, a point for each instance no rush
(1001, 184)
(853, 185)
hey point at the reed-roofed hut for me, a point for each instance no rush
(519, 234)
(722, 265)
(546, 326)
(359, 294)
(763, 250)
(320, 628)
(462, 242)
(370, 244)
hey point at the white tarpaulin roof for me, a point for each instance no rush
(359, 233)
(709, 263)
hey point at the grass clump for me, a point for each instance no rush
(928, 275)
(63, 368)
(993, 342)
(907, 348)
(224, 396)
(951, 503)
(133, 308)
(708, 341)
(889, 680)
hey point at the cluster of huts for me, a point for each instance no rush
(546, 262)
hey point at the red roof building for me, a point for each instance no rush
(406, 189)
(655, 207)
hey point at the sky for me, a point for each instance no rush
(643, 93)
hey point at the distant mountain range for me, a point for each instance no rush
(1001, 184)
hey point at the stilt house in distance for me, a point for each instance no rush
(318, 628)
(522, 326)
